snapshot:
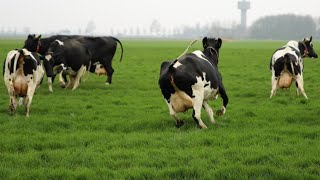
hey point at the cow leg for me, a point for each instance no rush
(274, 82)
(197, 104)
(62, 80)
(80, 73)
(209, 111)
(173, 113)
(108, 67)
(297, 89)
(50, 84)
(28, 99)
(12, 105)
(13, 101)
(299, 79)
(71, 82)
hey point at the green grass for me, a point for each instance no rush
(124, 131)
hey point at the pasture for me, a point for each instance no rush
(124, 130)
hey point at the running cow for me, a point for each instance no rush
(102, 49)
(73, 59)
(23, 73)
(193, 79)
(287, 64)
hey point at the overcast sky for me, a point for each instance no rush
(43, 16)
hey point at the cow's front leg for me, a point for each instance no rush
(299, 79)
(209, 111)
(62, 80)
(173, 113)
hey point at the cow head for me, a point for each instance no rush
(98, 69)
(54, 57)
(306, 48)
(212, 45)
(32, 43)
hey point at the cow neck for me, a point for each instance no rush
(44, 45)
(211, 57)
(303, 48)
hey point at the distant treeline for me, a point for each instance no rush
(284, 27)
(275, 27)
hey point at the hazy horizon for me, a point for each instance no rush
(43, 16)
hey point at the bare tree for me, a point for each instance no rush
(155, 27)
(91, 27)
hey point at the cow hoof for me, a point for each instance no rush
(107, 83)
(179, 124)
(220, 112)
(11, 110)
(62, 85)
(202, 126)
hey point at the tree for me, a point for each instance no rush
(287, 26)
(91, 27)
(155, 27)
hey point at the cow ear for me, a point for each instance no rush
(38, 37)
(219, 43)
(204, 42)
(29, 36)
(310, 38)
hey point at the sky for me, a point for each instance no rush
(46, 16)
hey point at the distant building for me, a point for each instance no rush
(244, 6)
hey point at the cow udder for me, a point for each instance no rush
(180, 101)
(285, 80)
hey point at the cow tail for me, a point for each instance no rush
(171, 74)
(15, 62)
(287, 59)
(120, 45)
(185, 51)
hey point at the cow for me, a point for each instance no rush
(23, 73)
(191, 80)
(72, 56)
(287, 64)
(102, 49)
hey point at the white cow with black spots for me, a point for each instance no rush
(23, 73)
(287, 64)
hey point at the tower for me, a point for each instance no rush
(243, 6)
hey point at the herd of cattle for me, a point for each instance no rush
(187, 82)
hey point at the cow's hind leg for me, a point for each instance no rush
(13, 100)
(107, 64)
(209, 111)
(80, 73)
(197, 104)
(274, 82)
(299, 80)
(173, 113)
(28, 99)
(71, 82)
(12, 105)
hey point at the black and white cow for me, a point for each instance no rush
(190, 81)
(286, 65)
(72, 56)
(102, 49)
(23, 73)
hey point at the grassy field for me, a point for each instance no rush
(124, 131)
